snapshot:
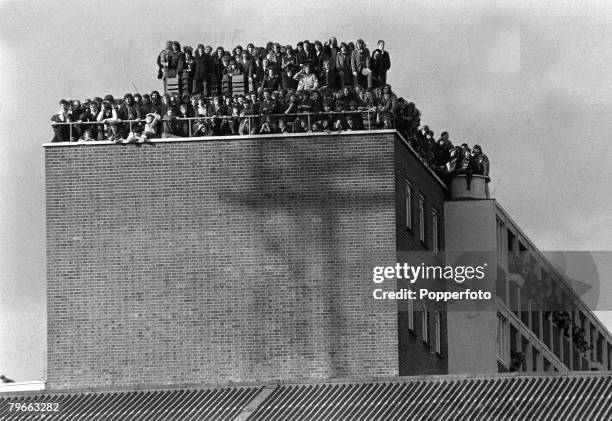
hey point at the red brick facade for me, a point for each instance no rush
(220, 260)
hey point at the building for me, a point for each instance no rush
(211, 262)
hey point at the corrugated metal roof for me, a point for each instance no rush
(582, 396)
(572, 397)
(217, 404)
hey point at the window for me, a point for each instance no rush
(411, 315)
(434, 229)
(408, 204)
(425, 322)
(436, 332)
(502, 339)
(422, 218)
(500, 241)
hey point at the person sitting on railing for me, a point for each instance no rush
(466, 165)
(170, 124)
(343, 65)
(306, 79)
(482, 162)
(150, 129)
(360, 65)
(62, 131)
(109, 117)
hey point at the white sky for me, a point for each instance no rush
(529, 81)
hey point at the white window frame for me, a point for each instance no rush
(408, 188)
(422, 218)
(411, 315)
(424, 323)
(502, 339)
(434, 229)
(437, 334)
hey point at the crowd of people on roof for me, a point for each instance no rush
(314, 87)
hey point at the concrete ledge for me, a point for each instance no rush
(218, 138)
(22, 387)
(478, 187)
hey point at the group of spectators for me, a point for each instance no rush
(331, 65)
(315, 87)
(142, 117)
(446, 159)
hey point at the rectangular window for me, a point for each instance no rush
(411, 315)
(408, 204)
(500, 242)
(437, 336)
(502, 339)
(422, 218)
(434, 229)
(425, 323)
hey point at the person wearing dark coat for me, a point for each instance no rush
(329, 77)
(386, 60)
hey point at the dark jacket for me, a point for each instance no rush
(202, 66)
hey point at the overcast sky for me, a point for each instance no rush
(529, 81)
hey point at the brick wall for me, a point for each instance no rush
(221, 260)
(417, 356)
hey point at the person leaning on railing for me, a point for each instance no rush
(62, 131)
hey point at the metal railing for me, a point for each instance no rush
(370, 120)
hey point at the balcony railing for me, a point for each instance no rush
(236, 125)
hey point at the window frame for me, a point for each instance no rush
(408, 204)
(503, 344)
(425, 324)
(411, 315)
(435, 220)
(437, 333)
(422, 233)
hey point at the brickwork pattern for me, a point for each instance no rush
(220, 260)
